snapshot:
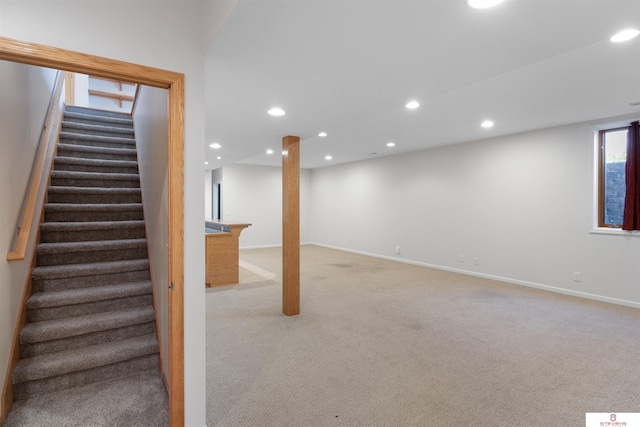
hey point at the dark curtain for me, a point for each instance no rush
(631, 219)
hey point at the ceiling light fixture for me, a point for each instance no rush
(322, 134)
(269, 151)
(412, 105)
(206, 163)
(215, 145)
(391, 144)
(624, 35)
(218, 157)
(487, 124)
(276, 111)
(328, 157)
(483, 4)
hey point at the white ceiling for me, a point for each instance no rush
(349, 67)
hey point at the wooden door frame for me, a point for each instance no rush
(61, 59)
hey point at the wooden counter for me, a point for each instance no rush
(222, 253)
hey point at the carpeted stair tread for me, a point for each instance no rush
(59, 160)
(93, 195)
(81, 252)
(88, 207)
(69, 231)
(97, 150)
(106, 245)
(61, 189)
(80, 325)
(95, 175)
(87, 270)
(84, 295)
(96, 112)
(113, 121)
(72, 136)
(84, 358)
(76, 127)
(97, 225)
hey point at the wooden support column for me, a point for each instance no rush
(291, 225)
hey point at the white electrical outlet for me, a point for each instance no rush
(577, 276)
(397, 249)
(476, 261)
(461, 258)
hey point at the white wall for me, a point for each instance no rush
(167, 35)
(81, 90)
(520, 204)
(26, 92)
(151, 120)
(253, 194)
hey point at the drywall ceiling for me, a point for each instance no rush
(349, 67)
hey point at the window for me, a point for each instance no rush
(611, 176)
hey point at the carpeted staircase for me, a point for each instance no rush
(91, 315)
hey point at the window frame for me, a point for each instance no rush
(600, 176)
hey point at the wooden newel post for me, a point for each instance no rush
(291, 225)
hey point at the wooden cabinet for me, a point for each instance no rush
(222, 253)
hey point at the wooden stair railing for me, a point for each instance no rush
(118, 96)
(41, 170)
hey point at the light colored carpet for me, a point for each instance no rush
(380, 343)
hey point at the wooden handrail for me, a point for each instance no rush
(41, 169)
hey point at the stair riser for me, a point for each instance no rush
(36, 349)
(90, 121)
(85, 129)
(92, 235)
(88, 143)
(92, 216)
(110, 133)
(75, 379)
(93, 198)
(64, 152)
(84, 257)
(97, 113)
(46, 285)
(94, 168)
(103, 183)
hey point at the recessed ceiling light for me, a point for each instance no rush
(276, 111)
(269, 151)
(206, 163)
(487, 124)
(218, 157)
(328, 157)
(215, 145)
(322, 134)
(391, 144)
(483, 4)
(411, 105)
(624, 35)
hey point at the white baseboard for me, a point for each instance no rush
(492, 277)
(272, 246)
